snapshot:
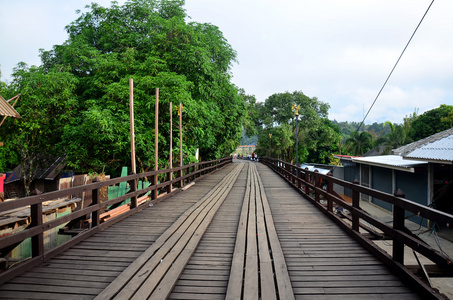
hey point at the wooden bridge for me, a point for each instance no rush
(241, 232)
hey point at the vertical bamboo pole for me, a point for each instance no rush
(131, 113)
(170, 174)
(133, 183)
(156, 141)
(180, 144)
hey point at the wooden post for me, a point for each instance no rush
(131, 114)
(37, 241)
(156, 143)
(170, 174)
(95, 199)
(355, 204)
(181, 183)
(132, 183)
(329, 192)
(298, 183)
(317, 185)
(133, 188)
(398, 224)
(307, 180)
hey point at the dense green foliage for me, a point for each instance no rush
(318, 138)
(359, 142)
(47, 101)
(77, 102)
(392, 135)
(347, 128)
(431, 122)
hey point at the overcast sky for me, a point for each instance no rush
(338, 51)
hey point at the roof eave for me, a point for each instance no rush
(398, 168)
(437, 161)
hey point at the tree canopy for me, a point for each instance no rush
(431, 122)
(82, 88)
(316, 135)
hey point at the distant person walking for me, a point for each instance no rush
(253, 156)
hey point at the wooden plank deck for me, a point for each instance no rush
(240, 233)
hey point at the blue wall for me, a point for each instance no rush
(351, 172)
(415, 186)
(381, 180)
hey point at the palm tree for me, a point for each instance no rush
(397, 137)
(359, 143)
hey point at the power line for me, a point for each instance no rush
(391, 72)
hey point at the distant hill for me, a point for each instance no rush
(246, 140)
(347, 127)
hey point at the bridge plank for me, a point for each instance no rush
(57, 282)
(285, 289)
(237, 266)
(131, 283)
(39, 295)
(223, 226)
(165, 287)
(251, 257)
(50, 289)
(321, 261)
(261, 241)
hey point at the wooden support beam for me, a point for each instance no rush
(156, 143)
(355, 204)
(398, 224)
(170, 174)
(181, 183)
(37, 241)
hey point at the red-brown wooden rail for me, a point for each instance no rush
(35, 231)
(307, 183)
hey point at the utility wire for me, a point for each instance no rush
(388, 77)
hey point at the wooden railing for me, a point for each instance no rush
(308, 184)
(175, 177)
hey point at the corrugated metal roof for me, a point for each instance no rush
(7, 110)
(409, 148)
(390, 161)
(440, 150)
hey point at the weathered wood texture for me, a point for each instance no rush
(321, 260)
(207, 272)
(257, 250)
(154, 274)
(93, 264)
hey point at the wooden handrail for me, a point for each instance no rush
(37, 227)
(305, 182)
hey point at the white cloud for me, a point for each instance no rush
(338, 51)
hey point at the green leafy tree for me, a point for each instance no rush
(397, 137)
(359, 143)
(448, 119)
(151, 42)
(314, 133)
(47, 102)
(328, 139)
(252, 115)
(430, 122)
(279, 144)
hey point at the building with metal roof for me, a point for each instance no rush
(437, 148)
(394, 162)
(423, 170)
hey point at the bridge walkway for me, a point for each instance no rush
(240, 233)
